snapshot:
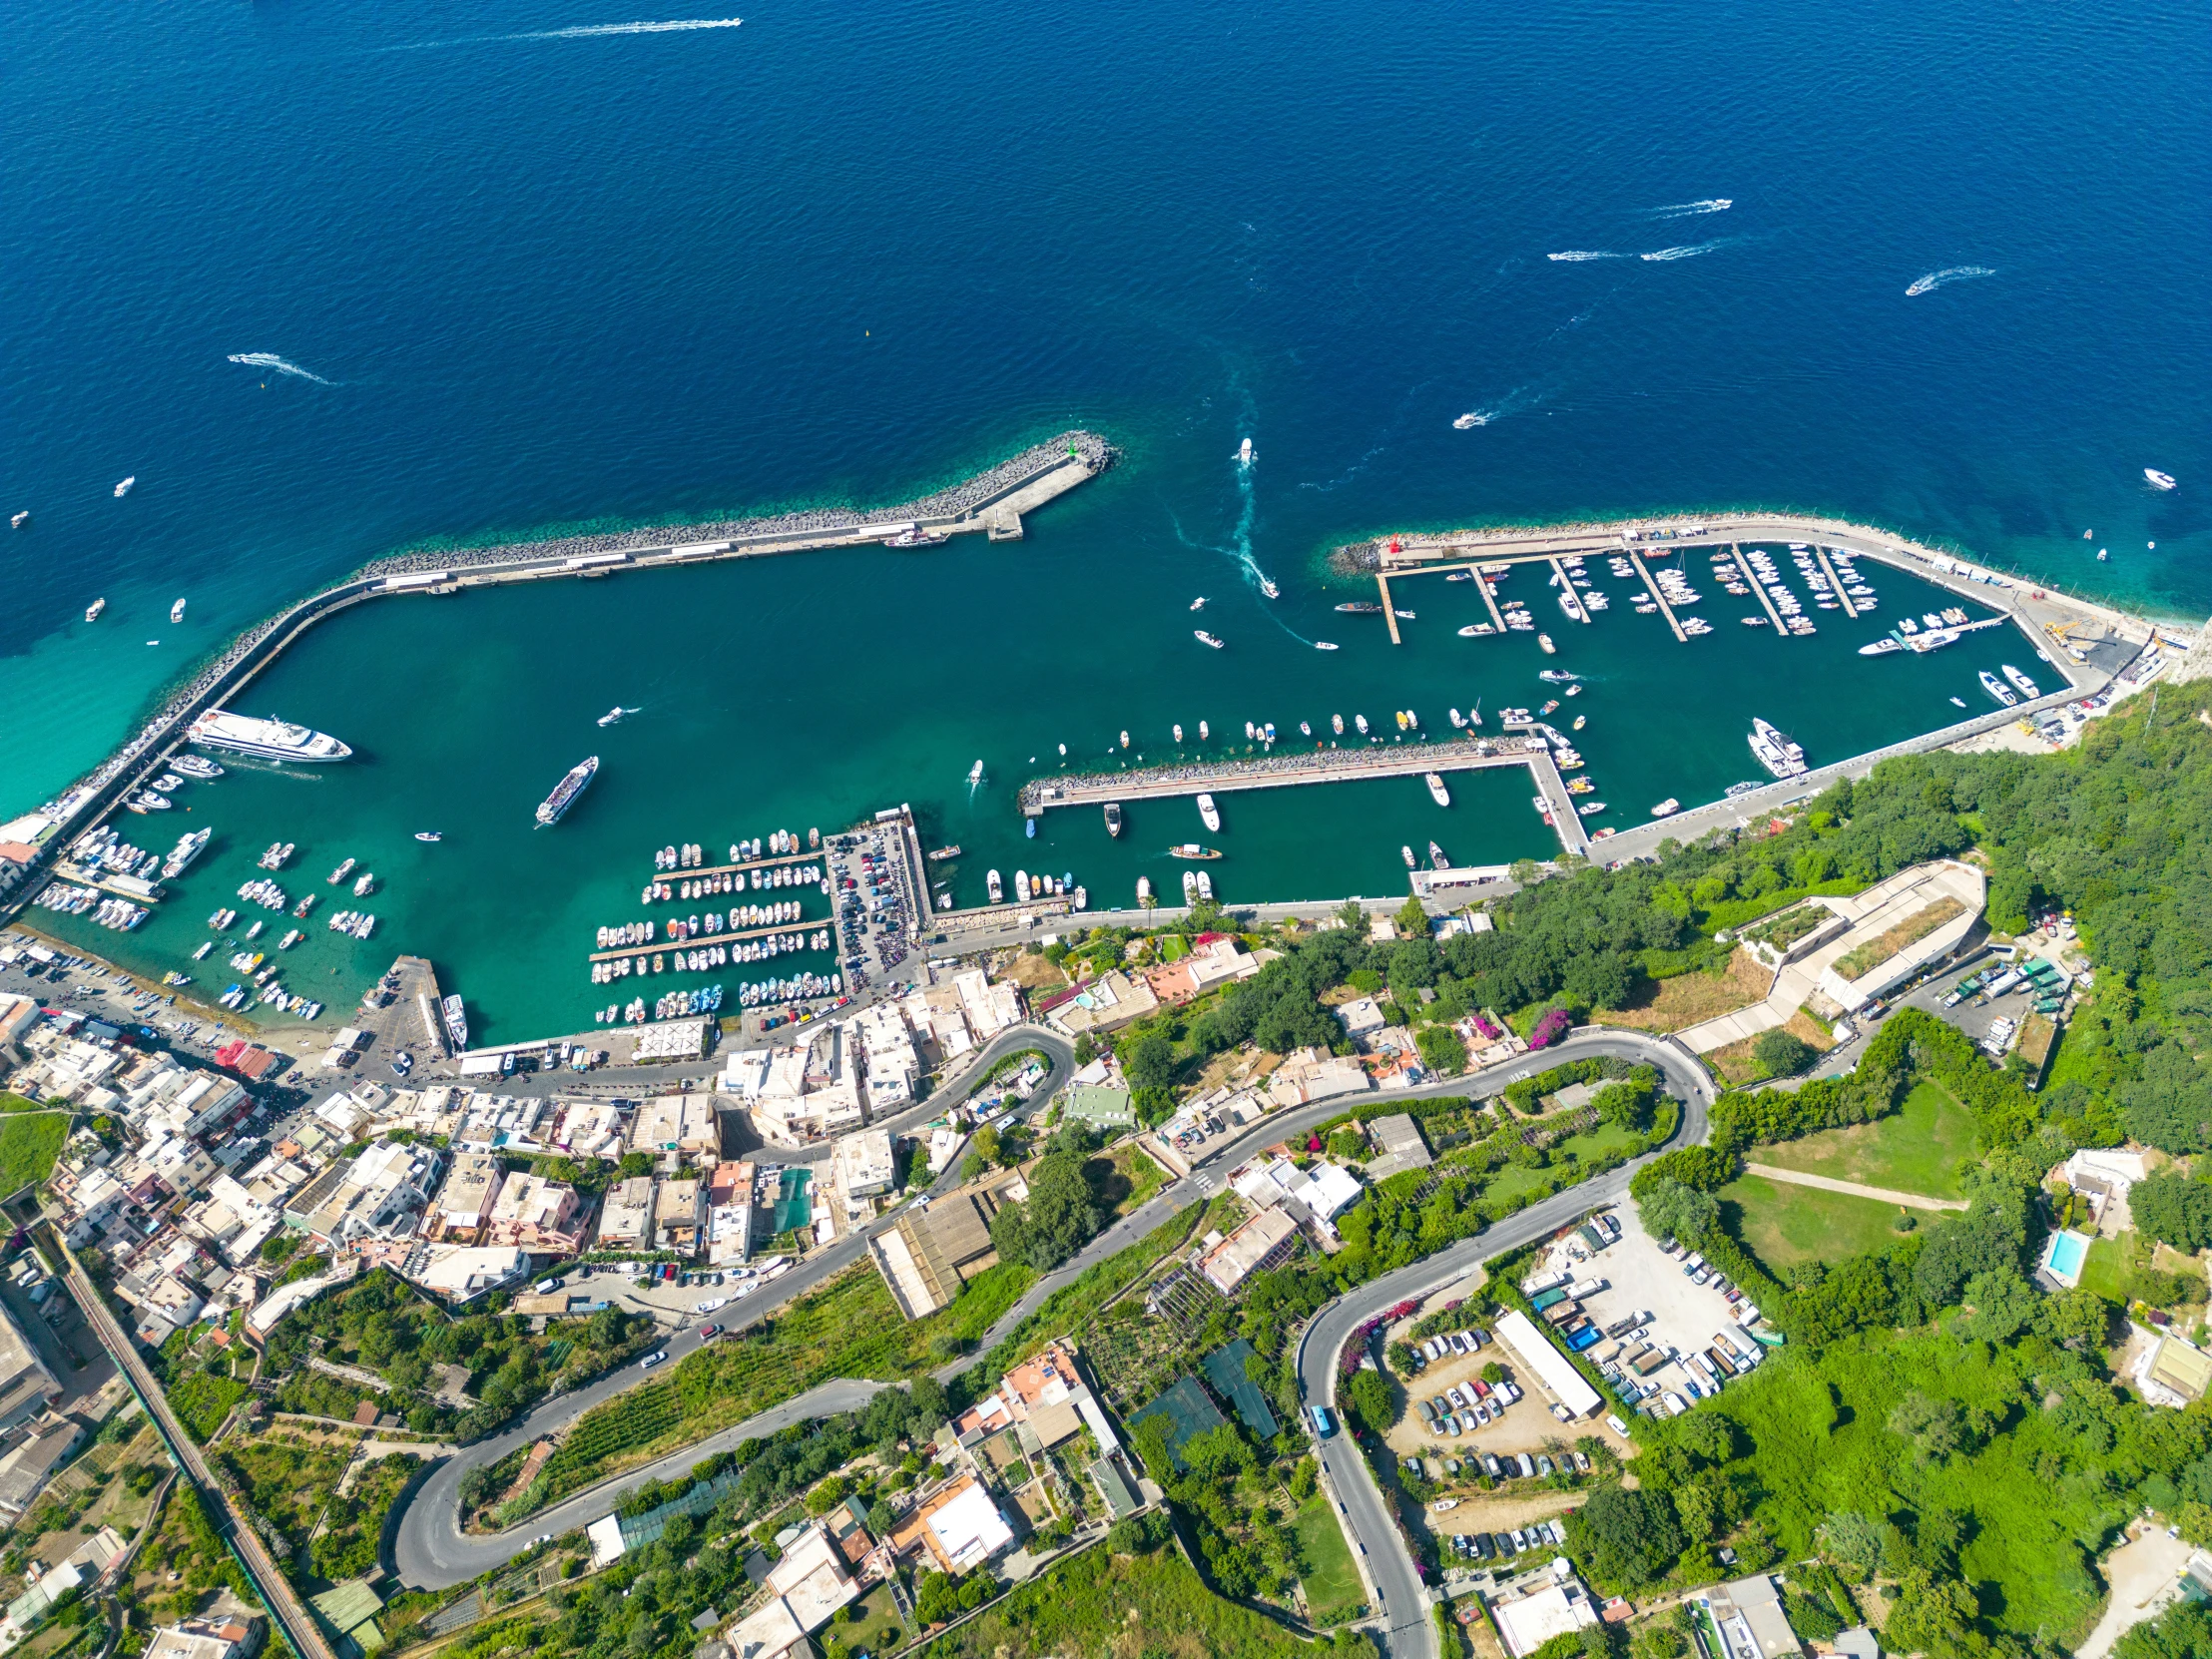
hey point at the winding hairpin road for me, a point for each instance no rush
(432, 1552)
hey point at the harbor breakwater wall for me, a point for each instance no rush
(992, 501)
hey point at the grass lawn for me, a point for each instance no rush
(29, 1144)
(1331, 1582)
(1684, 999)
(1783, 1225)
(1144, 1175)
(1914, 1150)
(1514, 1180)
(873, 1626)
(2109, 1265)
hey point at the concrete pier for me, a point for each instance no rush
(1580, 612)
(1835, 585)
(1390, 611)
(1743, 566)
(1659, 599)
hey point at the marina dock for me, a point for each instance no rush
(1766, 600)
(1328, 766)
(1659, 599)
(1835, 585)
(1581, 612)
(1389, 612)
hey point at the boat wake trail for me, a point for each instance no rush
(1511, 404)
(1689, 253)
(1955, 273)
(1683, 209)
(270, 361)
(586, 31)
(1575, 255)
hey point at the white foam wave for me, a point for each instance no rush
(1575, 253)
(1955, 273)
(270, 361)
(1683, 209)
(593, 30)
(1689, 253)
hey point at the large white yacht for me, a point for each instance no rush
(276, 740)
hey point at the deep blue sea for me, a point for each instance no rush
(500, 266)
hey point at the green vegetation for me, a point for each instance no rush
(1782, 1054)
(1865, 959)
(29, 1144)
(1332, 1579)
(1785, 1226)
(1916, 1150)
(185, 1542)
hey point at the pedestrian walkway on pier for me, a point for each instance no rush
(1666, 610)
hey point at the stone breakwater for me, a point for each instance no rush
(957, 502)
(1232, 770)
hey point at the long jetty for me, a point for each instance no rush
(995, 502)
(1325, 766)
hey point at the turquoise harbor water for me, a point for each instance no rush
(500, 265)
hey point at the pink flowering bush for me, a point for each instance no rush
(1550, 1028)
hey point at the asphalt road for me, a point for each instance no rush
(1407, 1626)
(432, 1552)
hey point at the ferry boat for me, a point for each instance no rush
(1113, 818)
(1436, 791)
(92, 610)
(2028, 687)
(176, 610)
(1999, 688)
(1774, 750)
(1208, 814)
(1361, 607)
(124, 488)
(944, 853)
(567, 790)
(1543, 643)
(2151, 476)
(271, 739)
(1191, 850)
(1207, 639)
(456, 1022)
(1882, 647)
(995, 887)
(1667, 807)
(1437, 858)
(343, 872)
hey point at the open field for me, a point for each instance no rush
(1916, 1149)
(1684, 999)
(29, 1144)
(1332, 1581)
(1783, 1225)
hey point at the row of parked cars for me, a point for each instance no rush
(1449, 1344)
(1485, 1546)
(1465, 1406)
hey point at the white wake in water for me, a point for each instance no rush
(1956, 274)
(1573, 255)
(269, 360)
(1689, 253)
(1683, 209)
(584, 31)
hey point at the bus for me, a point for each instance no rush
(1324, 1425)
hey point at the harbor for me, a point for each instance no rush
(754, 733)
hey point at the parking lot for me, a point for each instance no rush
(1679, 1316)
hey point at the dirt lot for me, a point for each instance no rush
(1639, 1279)
(1736, 1064)
(1683, 1000)
(1032, 972)
(1502, 1510)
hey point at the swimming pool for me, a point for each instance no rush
(2064, 1256)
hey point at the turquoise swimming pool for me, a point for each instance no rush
(2067, 1253)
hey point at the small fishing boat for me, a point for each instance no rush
(1179, 734)
(1337, 723)
(1207, 639)
(1324, 645)
(176, 610)
(1406, 854)
(1125, 740)
(1199, 604)
(1203, 734)
(430, 834)
(1191, 850)
(944, 853)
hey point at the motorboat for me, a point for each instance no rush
(1022, 888)
(1125, 740)
(1591, 809)
(2151, 475)
(1557, 676)
(1406, 854)
(20, 519)
(1207, 639)
(429, 835)
(1144, 890)
(1199, 604)
(1476, 631)
(1543, 644)
(1337, 723)
(1774, 750)
(1580, 720)
(1436, 791)
(1324, 645)
(1999, 688)
(1205, 888)
(975, 774)
(614, 714)
(1203, 732)
(124, 488)
(457, 1022)
(1030, 829)
(1881, 648)
(343, 872)
(92, 610)
(176, 610)
(1361, 721)
(1244, 453)
(195, 765)
(1667, 807)
(1208, 814)
(1113, 818)
(1189, 887)
(1361, 607)
(1437, 858)
(1269, 589)
(2028, 687)
(995, 887)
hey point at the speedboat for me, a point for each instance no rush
(1208, 814)
(2028, 687)
(1324, 645)
(176, 610)
(429, 835)
(612, 715)
(92, 610)
(1406, 854)
(975, 772)
(1207, 639)
(124, 488)
(1113, 818)
(1199, 604)
(2151, 475)
(1244, 453)
(1436, 857)
(1882, 647)
(1436, 791)
(1269, 589)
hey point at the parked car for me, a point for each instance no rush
(653, 1359)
